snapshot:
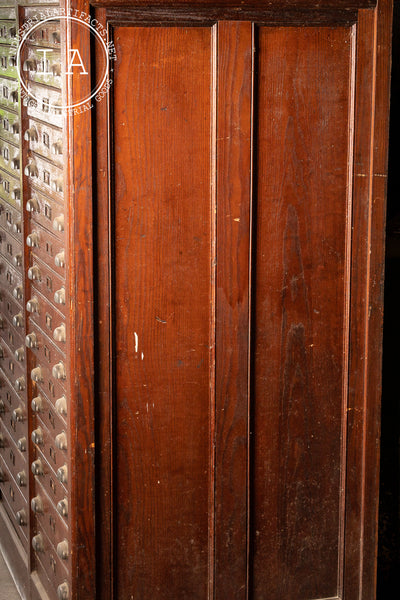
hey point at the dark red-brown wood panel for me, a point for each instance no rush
(164, 331)
(301, 293)
(232, 271)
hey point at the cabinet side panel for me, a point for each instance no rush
(163, 310)
(301, 294)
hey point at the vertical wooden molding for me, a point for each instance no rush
(346, 320)
(234, 168)
(370, 166)
(378, 183)
(213, 308)
(80, 350)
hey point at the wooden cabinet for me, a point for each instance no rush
(215, 369)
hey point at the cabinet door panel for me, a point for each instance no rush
(300, 327)
(163, 328)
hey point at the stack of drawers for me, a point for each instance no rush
(14, 440)
(33, 377)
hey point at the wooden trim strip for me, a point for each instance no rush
(161, 15)
(237, 5)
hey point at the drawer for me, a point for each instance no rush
(12, 361)
(8, 333)
(10, 452)
(47, 516)
(48, 247)
(10, 219)
(11, 281)
(47, 212)
(8, 30)
(44, 474)
(42, 65)
(45, 581)
(9, 95)
(59, 510)
(46, 442)
(10, 157)
(44, 103)
(18, 482)
(46, 34)
(53, 418)
(55, 568)
(10, 189)
(13, 413)
(11, 310)
(43, 379)
(13, 336)
(47, 282)
(17, 508)
(11, 249)
(45, 177)
(9, 126)
(8, 61)
(45, 140)
(48, 319)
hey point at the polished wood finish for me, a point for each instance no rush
(79, 232)
(259, 5)
(224, 221)
(163, 340)
(287, 281)
(302, 288)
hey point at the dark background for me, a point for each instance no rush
(389, 513)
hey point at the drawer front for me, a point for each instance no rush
(14, 502)
(12, 361)
(13, 335)
(48, 319)
(44, 35)
(8, 61)
(53, 567)
(47, 212)
(45, 140)
(17, 483)
(8, 30)
(55, 490)
(46, 281)
(11, 310)
(11, 281)
(9, 95)
(48, 247)
(10, 189)
(47, 357)
(43, 104)
(44, 578)
(10, 452)
(10, 157)
(9, 125)
(10, 219)
(54, 456)
(48, 415)
(11, 248)
(47, 516)
(42, 65)
(11, 404)
(45, 176)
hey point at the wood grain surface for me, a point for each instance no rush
(301, 318)
(233, 252)
(164, 337)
